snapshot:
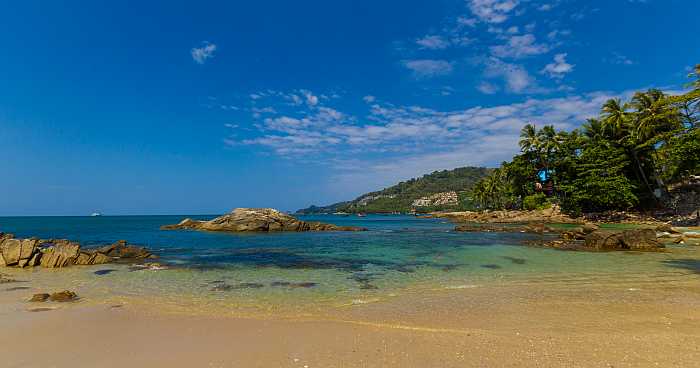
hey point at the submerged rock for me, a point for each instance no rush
(63, 296)
(257, 220)
(39, 297)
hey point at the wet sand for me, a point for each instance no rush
(526, 325)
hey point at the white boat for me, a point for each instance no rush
(96, 214)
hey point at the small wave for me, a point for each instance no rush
(454, 287)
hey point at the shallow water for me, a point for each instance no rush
(305, 271)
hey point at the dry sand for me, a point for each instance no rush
(529, 325)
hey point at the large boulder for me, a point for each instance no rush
(18, 252)
(636, 239)
(89, 258)
(61, 254)
(257, 220)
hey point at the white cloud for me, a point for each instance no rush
(519, 47)
(487, 88)
(433, 42)
(201, 54)
(517, 79)
(492, 11)
(558, 68)
(369, 98)
(423, 68)
(311, 99)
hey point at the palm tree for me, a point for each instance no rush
(529, 139)
(615, 117)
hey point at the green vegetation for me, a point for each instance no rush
(400, 197)
(623, 159)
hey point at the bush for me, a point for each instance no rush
(535, 202)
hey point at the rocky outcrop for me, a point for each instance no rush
(550, 215)
(58, 253)
(18, 252)
(257, 220)
(637, 239)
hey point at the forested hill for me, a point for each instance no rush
(445, 189)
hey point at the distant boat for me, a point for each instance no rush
(96, 214)
(361, 215)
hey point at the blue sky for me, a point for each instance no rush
(200, 107)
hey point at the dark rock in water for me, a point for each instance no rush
(103, 272)
(40, 297)
(40, 309)
(368, 286)
(63, 296)
(257, 220)
(240, 286)
(18, 288)
(280, 283)
(122, 250)
(304, 285)
(515, 260)
(491, 266)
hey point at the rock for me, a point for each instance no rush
(61, 254)
(667, 228)
(89, 258)
(63, 296)
(257, 220)
(17, 252)
(637, 239)
(40, 297)
(590, 227)
(122, 250)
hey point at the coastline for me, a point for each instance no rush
(623, 325)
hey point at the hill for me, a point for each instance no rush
(439, 190)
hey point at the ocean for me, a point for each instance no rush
(303, 271)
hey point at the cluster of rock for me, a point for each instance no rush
(437, 199)
(61, 296)
(257, 220)
(549, 215)
(58, 253)
(589, 236)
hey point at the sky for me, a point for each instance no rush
(147, 107)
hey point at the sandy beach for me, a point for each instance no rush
(527, 325)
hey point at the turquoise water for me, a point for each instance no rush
(399, 254)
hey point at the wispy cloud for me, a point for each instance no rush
(201, 54)
(492, 11)
(516, 77)
(423, 68)
(433, 42)
(519, 46)
(619, 59)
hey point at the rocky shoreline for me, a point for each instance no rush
(59, 253)
(257, 220)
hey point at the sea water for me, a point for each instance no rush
(396, 256)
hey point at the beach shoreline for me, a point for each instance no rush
(526, 325)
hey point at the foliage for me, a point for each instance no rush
(535, 202)
(624, 158)
(398, 198)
